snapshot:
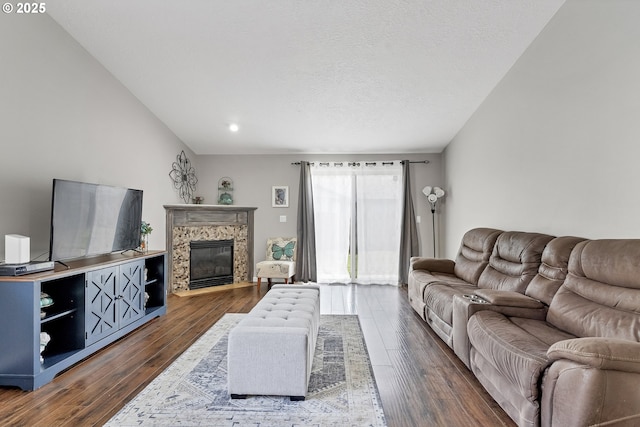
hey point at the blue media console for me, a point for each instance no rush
(74, 312)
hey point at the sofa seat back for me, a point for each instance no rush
(601, 294)
(534, 304)
(514, 261)
(553, 269)
(474, 253)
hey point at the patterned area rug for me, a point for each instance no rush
(193, 390)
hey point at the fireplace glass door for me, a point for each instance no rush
(211, 263)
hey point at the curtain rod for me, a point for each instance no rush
(410, 161)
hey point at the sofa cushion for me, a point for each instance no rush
(512, 349)
(601, 294)
(439, 298)
(514, 262)
(473, 256)
(541, 330)
(553, 268)
(425, 278)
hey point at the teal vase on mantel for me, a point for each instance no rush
(225, 191)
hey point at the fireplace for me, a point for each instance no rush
(194, 223)
(211, 263)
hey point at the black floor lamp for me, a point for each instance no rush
(433, 194)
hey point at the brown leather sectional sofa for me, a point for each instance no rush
(550, 326)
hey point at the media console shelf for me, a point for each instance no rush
(86, 307)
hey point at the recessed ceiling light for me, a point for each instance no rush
(233, 127)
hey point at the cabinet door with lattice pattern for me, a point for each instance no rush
(101, 311)
(131, 293)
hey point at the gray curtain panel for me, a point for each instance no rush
(306, 252)
(409, 238)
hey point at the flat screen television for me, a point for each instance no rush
(93, 219)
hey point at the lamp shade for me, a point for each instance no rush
(437, 192)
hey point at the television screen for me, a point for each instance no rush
(92, 219)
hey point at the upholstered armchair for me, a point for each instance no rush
(280, 262)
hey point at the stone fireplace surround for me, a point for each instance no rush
(186, 223)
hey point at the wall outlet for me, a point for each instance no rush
(283, 218)
(418, 219)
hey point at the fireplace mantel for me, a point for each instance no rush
(199, 222)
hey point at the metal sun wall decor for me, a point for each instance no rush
(183, 176)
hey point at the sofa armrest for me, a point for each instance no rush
(592, 381)
(508, 298)
(432, 264)
(601, 353)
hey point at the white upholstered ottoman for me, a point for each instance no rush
(270, 351)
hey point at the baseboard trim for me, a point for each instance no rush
(196, 292)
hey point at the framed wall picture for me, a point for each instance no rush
(280, 196)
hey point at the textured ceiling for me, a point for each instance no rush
(330, 76)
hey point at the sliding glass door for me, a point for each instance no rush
(357, 208)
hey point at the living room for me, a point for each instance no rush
(565, 107)
(551, 149)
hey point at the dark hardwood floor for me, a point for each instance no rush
(421, 381)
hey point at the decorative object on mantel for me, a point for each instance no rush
(433, 195)
(145, 230)
(183, 176)
(197, 200)
(225, 191)
(280, 196)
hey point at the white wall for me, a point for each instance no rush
(254, 176)
(62, 115)
(555, 148)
